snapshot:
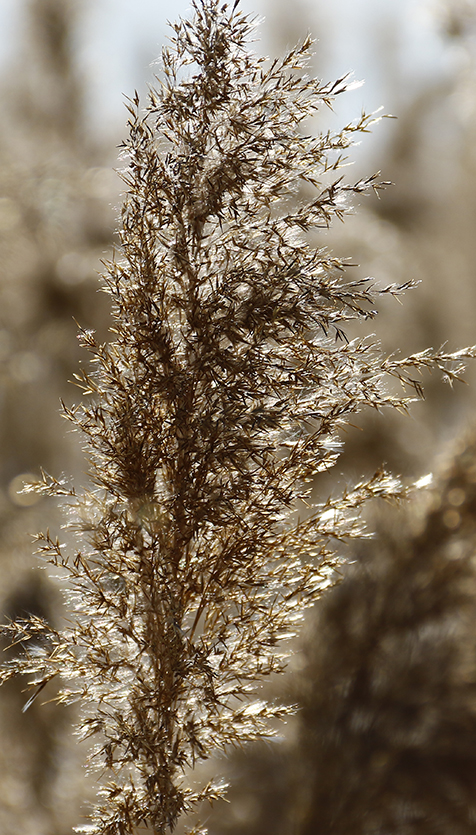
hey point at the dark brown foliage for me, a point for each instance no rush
(388, 727)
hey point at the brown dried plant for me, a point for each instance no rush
(388, 719)
(212, 411)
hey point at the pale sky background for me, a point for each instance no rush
(394, 45)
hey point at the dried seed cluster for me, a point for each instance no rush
(208, 417)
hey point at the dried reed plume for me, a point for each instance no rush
(211, 413)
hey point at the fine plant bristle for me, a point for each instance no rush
(207, 420)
